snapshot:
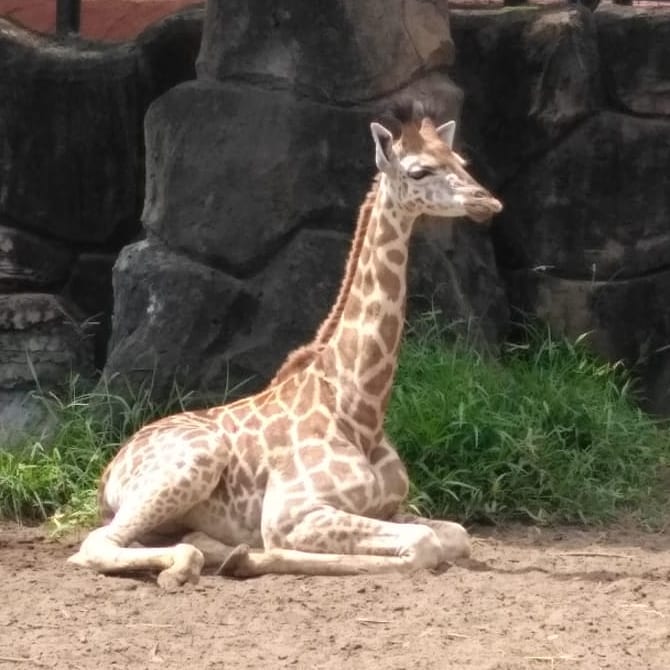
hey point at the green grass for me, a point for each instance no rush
(546, 433)
(549, 433)
(56, 476)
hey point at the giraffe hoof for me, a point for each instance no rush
(78, 559)
(454, 538)
(234, 565)
(186, 567)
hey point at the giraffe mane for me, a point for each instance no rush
(300, 358)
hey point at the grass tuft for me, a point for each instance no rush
(56, 476)
(548, 433)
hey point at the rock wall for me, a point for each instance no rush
(254, 175)
(71, 190)
(254, 172)
(570, 114)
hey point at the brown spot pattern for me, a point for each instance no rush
(379, 381)
(352, 308)
(262, 422)
(365, 414)
(386, 233)
(395, 256)
(255, 511)
(341, 470)
(390, 281)
(277, 431)
(357, 496)
(348, 347)
(389, 330)
(322, 481)
(372, 310)
(377, 454)
(203, 460)
(311, 456)
(371, 353)
(395, 480)
(315, 424)
(368, 285)
(253, 422)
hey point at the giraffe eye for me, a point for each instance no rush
(418, 172)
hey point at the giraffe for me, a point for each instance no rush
(300, 478)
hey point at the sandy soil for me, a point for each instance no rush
(530, 598)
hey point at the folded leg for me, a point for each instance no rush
(328, 541)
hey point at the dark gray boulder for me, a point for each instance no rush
(635, 54)
(529, 76)
(173, 318)
(22, 414)
(89, 286)
(294, 292)
(30, 262)
(168, 50)
(343, 50)
(565, 112)
(596, 206)
(233, 170)
(453, 273)
(43, 339)
(70, 116)
(71, 163)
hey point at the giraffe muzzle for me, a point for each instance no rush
(482, 207)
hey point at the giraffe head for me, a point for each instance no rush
(425, 174)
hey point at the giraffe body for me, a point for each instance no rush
(300, 477)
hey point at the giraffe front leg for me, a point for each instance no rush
(149, 507)
(327, 541)
(454, 538)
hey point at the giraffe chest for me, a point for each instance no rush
(336, 474)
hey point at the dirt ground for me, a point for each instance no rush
(529, 598)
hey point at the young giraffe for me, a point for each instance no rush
(301, 472)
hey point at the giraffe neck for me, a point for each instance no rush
(361, 353)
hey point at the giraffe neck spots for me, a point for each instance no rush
(366, 340)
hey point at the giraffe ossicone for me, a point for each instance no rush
(300, 477)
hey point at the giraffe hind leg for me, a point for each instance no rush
(143, 512)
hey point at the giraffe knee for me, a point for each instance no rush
(94, 550)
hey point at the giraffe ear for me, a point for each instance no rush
(446, 132)
(383, 146)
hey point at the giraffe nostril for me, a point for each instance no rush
(480, 193)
